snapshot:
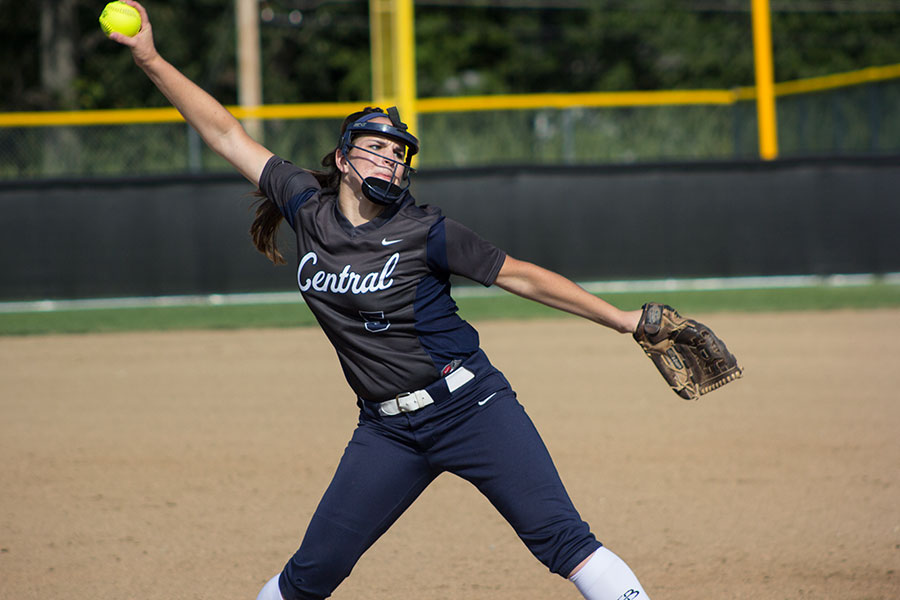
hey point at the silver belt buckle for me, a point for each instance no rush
(400, 407)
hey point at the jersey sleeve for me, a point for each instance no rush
(455, 249)
(288, 186)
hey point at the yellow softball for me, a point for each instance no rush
(118, 16)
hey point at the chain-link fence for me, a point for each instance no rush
(851, 121)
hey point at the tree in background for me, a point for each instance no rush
(463, 47)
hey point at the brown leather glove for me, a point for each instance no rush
(691, 358)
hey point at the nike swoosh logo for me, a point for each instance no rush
(485, 401)
(387, 242)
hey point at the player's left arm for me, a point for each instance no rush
(536, 283)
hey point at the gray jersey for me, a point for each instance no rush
(381, 291)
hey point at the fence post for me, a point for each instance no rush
(248, 55)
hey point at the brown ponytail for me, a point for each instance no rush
(264, 229)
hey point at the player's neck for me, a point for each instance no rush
(356, 208)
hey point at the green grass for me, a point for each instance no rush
(472, 309)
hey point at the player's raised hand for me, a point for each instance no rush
(142, 48)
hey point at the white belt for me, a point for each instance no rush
(405, 402)
(412, 401)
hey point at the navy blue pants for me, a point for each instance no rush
(390, 460)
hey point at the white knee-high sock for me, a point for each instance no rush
(270, 591)
(605, 576)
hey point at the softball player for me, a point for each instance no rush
(374, 268)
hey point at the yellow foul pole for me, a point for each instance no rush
(765, 80)
(405, 62)
(392, 25)
(381, 48)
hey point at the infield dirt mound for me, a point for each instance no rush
(156, 466)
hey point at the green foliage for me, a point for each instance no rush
(325, 59)
(468, 47)
(811, 44)
(199, 41)
(20, 84)
(647, 45)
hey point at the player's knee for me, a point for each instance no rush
(561, 549)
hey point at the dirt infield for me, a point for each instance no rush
(186, 465)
